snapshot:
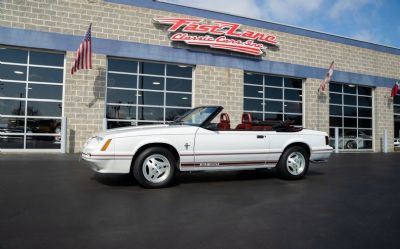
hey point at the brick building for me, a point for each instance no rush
(140, 76)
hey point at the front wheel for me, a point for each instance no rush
(293, 163)
(154, 167)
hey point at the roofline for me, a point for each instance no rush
(277, 23)
(290, 29)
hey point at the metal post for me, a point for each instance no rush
(385, 142)
(336, 139)
(104, 124)
(64, 135)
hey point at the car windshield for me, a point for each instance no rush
(196, 116)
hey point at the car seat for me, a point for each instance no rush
(224, 122)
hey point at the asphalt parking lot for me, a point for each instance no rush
(54, 201)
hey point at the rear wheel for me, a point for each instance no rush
(293, 163)
(351, 145)
(154, 167)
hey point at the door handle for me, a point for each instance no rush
(260, 136)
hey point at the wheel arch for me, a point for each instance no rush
(301, 144)
(167, 146)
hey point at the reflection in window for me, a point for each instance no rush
(353, 117)
(173, 113)
(42, 142)
(179, 85)
(151, 113)
(12, 125)
(150, 98)
(122, 66)
(152, 68)
(121, 80)
(121, 96)
(253, 105)
(119, 124)
(148, 92)
(178, 99)
(253, 91)
(12, 90)
(48, 109)
(12, 55)
(47, 59)
(12, 107)
(121, 112)
(44, 125)
(41, 91)
(11, 142)
(12, 72)
(52, 75)
(273, 98)
(181, 71)
(23, 97)
(151, 83)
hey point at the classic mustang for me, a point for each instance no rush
(192, 143)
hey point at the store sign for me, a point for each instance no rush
(220, 35)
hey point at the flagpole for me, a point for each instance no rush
(322, 87)
(318, 93)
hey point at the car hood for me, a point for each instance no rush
(145, 130)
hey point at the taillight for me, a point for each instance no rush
(326, 140)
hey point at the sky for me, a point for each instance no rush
(376, 21)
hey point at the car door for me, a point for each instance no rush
(230, 149)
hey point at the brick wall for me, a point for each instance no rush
(220, 86)
(129, 23)
(316, 103)
(84, 101)
(383, 118)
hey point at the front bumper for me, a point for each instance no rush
(107, 163)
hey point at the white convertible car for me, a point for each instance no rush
(192, 143)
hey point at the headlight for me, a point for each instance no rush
(93, 139)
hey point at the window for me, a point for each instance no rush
(140, 92)
(269, 97)
(396, 110)
(31, 98)
(350, 109)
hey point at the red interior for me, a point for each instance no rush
(246, 125)
(224, 123)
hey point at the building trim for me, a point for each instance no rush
(176, 8)
(63, 42)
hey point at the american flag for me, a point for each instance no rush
(328, 77)
(395, 89)
(83, 57)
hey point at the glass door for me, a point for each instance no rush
(31, 99)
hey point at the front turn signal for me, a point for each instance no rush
(106, 144)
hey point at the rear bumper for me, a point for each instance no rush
(321, 155)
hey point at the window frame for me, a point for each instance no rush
(357, 128)
(137, 89)
(25, 100)
(264, 112)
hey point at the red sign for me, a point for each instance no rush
(221, 35)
